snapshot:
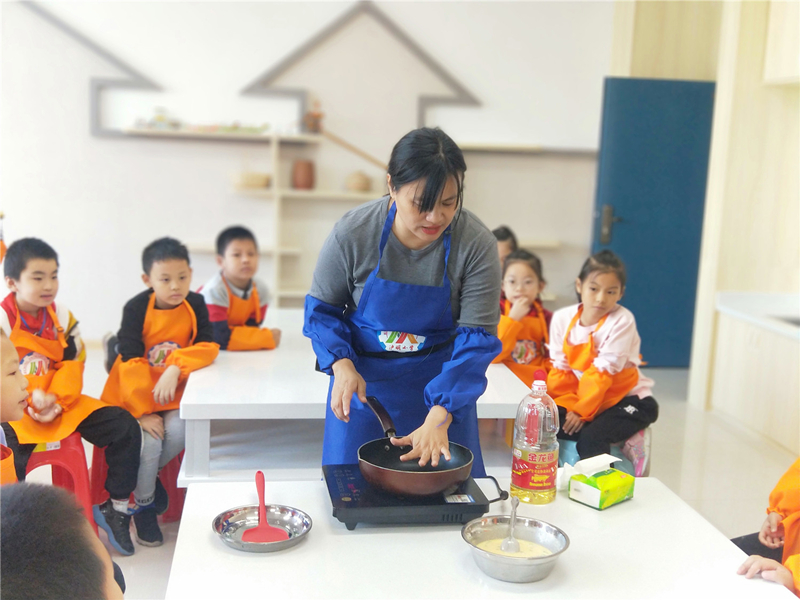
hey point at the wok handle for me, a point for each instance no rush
(383, 416)
(502, 494)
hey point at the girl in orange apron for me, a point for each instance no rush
(523, 329)
(601, 400)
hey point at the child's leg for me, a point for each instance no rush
(116, 430)
(174, 436)
(145, 491)
(22, 452)
(616, 424)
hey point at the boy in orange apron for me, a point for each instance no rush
(51, 356)
(524, 323)
(13, 403)
(236, 300)
(165, 335)
(602, 397)
(779, 538)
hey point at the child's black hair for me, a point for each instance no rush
(430, 154)
(604, 261)
(46, 551)
(504, 234)
(24, 250)
(162, 249)
(529, 258)
(237, 232)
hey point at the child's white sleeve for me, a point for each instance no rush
(558, 328)
(615, 350)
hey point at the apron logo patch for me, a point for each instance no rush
(157, 355)
(34, 363)
(397, 341)
(525, 352)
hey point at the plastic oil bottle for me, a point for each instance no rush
(535, 452)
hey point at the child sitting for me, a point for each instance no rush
(523, 321)
(164, 336)
(506, 242)
(49, 549)
(236, 300)
(51, 356)
(13, 403)
(602, 397)
(781, 529)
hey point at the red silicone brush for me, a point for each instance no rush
(263, 532)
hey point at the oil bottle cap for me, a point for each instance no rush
(539, 388)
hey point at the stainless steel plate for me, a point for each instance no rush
(231, 525)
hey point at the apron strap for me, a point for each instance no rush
(572, 323)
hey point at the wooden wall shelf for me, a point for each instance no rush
(268, 138)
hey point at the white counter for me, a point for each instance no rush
(764, 310)
(653, 546)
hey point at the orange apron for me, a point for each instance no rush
(524, 343)
(596, 391)
(7, 472)
(130, 384)
(240, 311)
(41, 361)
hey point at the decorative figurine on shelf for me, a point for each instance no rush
(312, 121)
(303, 175)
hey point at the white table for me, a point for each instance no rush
(653, 546)
(282, 384)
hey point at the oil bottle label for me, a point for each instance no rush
(534, 470)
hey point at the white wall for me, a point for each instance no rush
(100, 201)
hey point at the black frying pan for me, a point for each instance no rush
(381, 466)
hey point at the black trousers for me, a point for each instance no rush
(750, 545)
(616, 424)
(110, 427)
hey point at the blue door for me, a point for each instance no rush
(651, 188)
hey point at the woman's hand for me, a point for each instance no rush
(153, 424)
(572, 423)
(772, 534)
(346, 382)
(771, 570)
(430, 440)
(164, 392)
(520, 308)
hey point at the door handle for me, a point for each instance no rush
(607, 221)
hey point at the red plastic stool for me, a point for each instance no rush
(168, 476)
(68, 462)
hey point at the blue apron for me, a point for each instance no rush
(414, 325)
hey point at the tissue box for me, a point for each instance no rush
(602, 489)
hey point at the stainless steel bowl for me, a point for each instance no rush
(231, 525)
(507, 568)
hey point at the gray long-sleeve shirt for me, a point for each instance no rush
(351, 252)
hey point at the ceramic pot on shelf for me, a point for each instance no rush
(303, 175)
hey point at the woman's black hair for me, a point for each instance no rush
(529, 258)
(430, 154)
(46, 551)
(604, 261)
(504, 234)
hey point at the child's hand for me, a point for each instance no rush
(164, 392)
(772, 534)
(771, 570)
(572, 423)
(48, 415)
(520, 308)
(276, 335)
(153, 424)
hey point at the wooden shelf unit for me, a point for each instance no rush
(210, 249)
(265, 138)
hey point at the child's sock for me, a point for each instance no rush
(120, 505)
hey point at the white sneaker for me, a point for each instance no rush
(637, 450)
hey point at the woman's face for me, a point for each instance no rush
(414, 229)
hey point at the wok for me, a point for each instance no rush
(381, 466)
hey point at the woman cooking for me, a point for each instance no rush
(404, 307)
